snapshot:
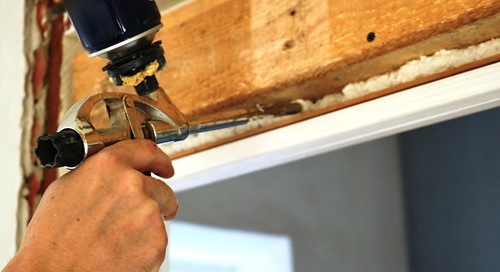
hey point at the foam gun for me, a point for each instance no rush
(123, 32)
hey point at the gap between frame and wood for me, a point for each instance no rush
(342, 105)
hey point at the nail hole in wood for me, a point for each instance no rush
(370, 37)
(289, 44)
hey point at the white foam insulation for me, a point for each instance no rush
(424, 66)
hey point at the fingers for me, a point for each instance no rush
(144, 156)
(163, 195)
(141, 155)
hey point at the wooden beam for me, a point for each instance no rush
(238, 53)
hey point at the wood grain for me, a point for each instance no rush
(238, 53)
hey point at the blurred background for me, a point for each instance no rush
(425, 200)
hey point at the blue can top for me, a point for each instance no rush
(104, 23)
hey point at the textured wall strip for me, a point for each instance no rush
(44, 32)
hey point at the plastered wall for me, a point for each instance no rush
(12, 82)
(452, 184)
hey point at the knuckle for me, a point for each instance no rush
(130, 184)
(133, 177)
(155, 227)
(151, 210)
(128, 190)
(157, 252)
(142, 144)
(174, 210)
(152, 214)
(161, 237)
(150, 146)
(163, 243)
(164, 239)
(161, 240)
(105, 157)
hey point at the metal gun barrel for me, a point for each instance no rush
(215, 125)
(67, 148)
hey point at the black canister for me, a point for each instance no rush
(104, 24)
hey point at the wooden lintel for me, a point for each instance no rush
(238, 53)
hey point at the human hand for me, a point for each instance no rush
(103, 216)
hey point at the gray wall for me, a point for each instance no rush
(452, 185)
(343, 210)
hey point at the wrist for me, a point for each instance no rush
(19, 263)
(32, 261)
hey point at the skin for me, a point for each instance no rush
(103, 216)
